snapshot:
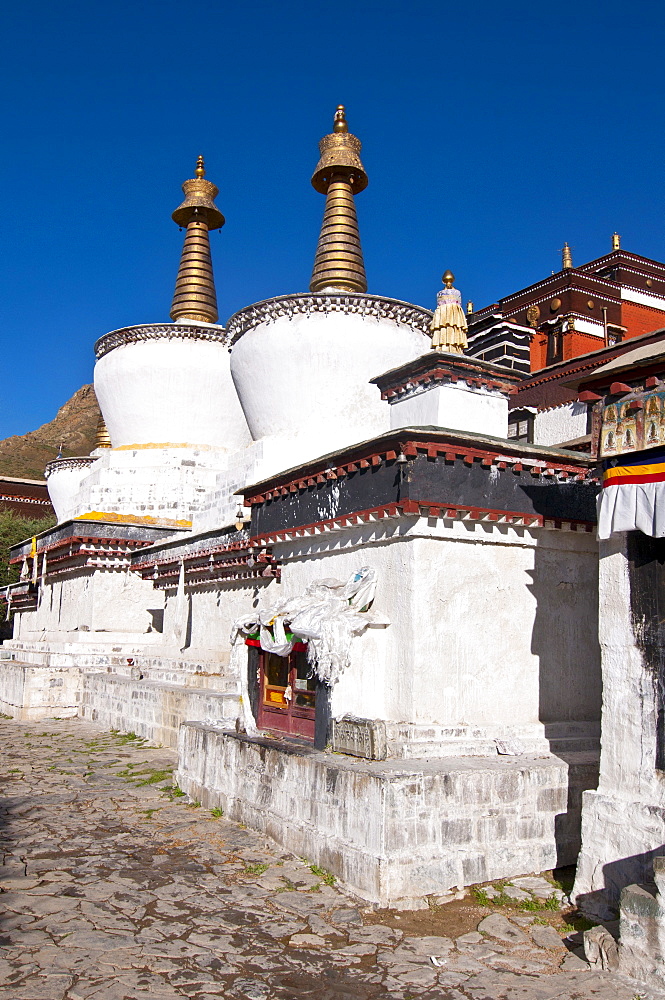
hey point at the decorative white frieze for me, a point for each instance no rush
(158, 331)
(65, 464)
(373, 306)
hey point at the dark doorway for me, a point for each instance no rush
(287, 696)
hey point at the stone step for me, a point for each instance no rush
(461, 747)
(164, 674)
(563, 730)
(574, 744)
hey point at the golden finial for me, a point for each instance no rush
(448, 278)
(195, 297)
(339, 121)
(616, 241)
(566, 257)
(469, 308)
(339, 175)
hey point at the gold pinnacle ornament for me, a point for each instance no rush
(102, 436)
(616, 241)
(339, 175)
(566, 257)
(195, 297)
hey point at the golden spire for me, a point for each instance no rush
(195, 297)
(616, 241)
(102, 436)
(566, 257)
(339, 175)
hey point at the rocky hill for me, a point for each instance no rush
(73, 429)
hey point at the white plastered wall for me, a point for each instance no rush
(490, 626)
(456, 406)
(560, 423)
(209, 613)
(624, 819)
(103, 601)
(304, 381)
(171, 390)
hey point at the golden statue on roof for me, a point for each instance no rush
(449, 324)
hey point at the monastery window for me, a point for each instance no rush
(554, 346)
(520, 426)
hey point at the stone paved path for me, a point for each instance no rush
(115, 888)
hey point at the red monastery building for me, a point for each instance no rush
(25, 497)
(572, 312)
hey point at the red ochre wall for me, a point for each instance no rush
(635, 317)
(640, 319)
(538, 352)
(574, 344)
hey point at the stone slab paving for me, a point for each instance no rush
(114, 887)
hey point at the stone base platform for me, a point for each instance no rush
(115, 683)
(412, 741)
(152, 708)
(395, 830)
(134, 702)
(622, 838)
(31, 693)
(87, 650)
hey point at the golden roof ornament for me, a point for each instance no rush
(616, 241)
(195, 297)
(566, 257)
(339, 174)
(449, 324)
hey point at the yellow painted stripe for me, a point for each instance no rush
(146, 519)
(165, 444)
(621, 471)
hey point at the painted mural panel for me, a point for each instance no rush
(625, 429)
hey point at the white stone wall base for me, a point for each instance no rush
(642, 935)
(620, 837)
(150, 696)
(152, 709)
(171, 483)
(642, 930)
(391, 831)
(85, 650)
(411, 740)
(29, 693)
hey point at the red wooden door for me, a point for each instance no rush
(287, 697)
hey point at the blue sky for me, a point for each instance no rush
(491, 133)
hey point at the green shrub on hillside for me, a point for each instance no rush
(13, 529)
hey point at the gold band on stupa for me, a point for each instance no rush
(195, 297)
(339, 174)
